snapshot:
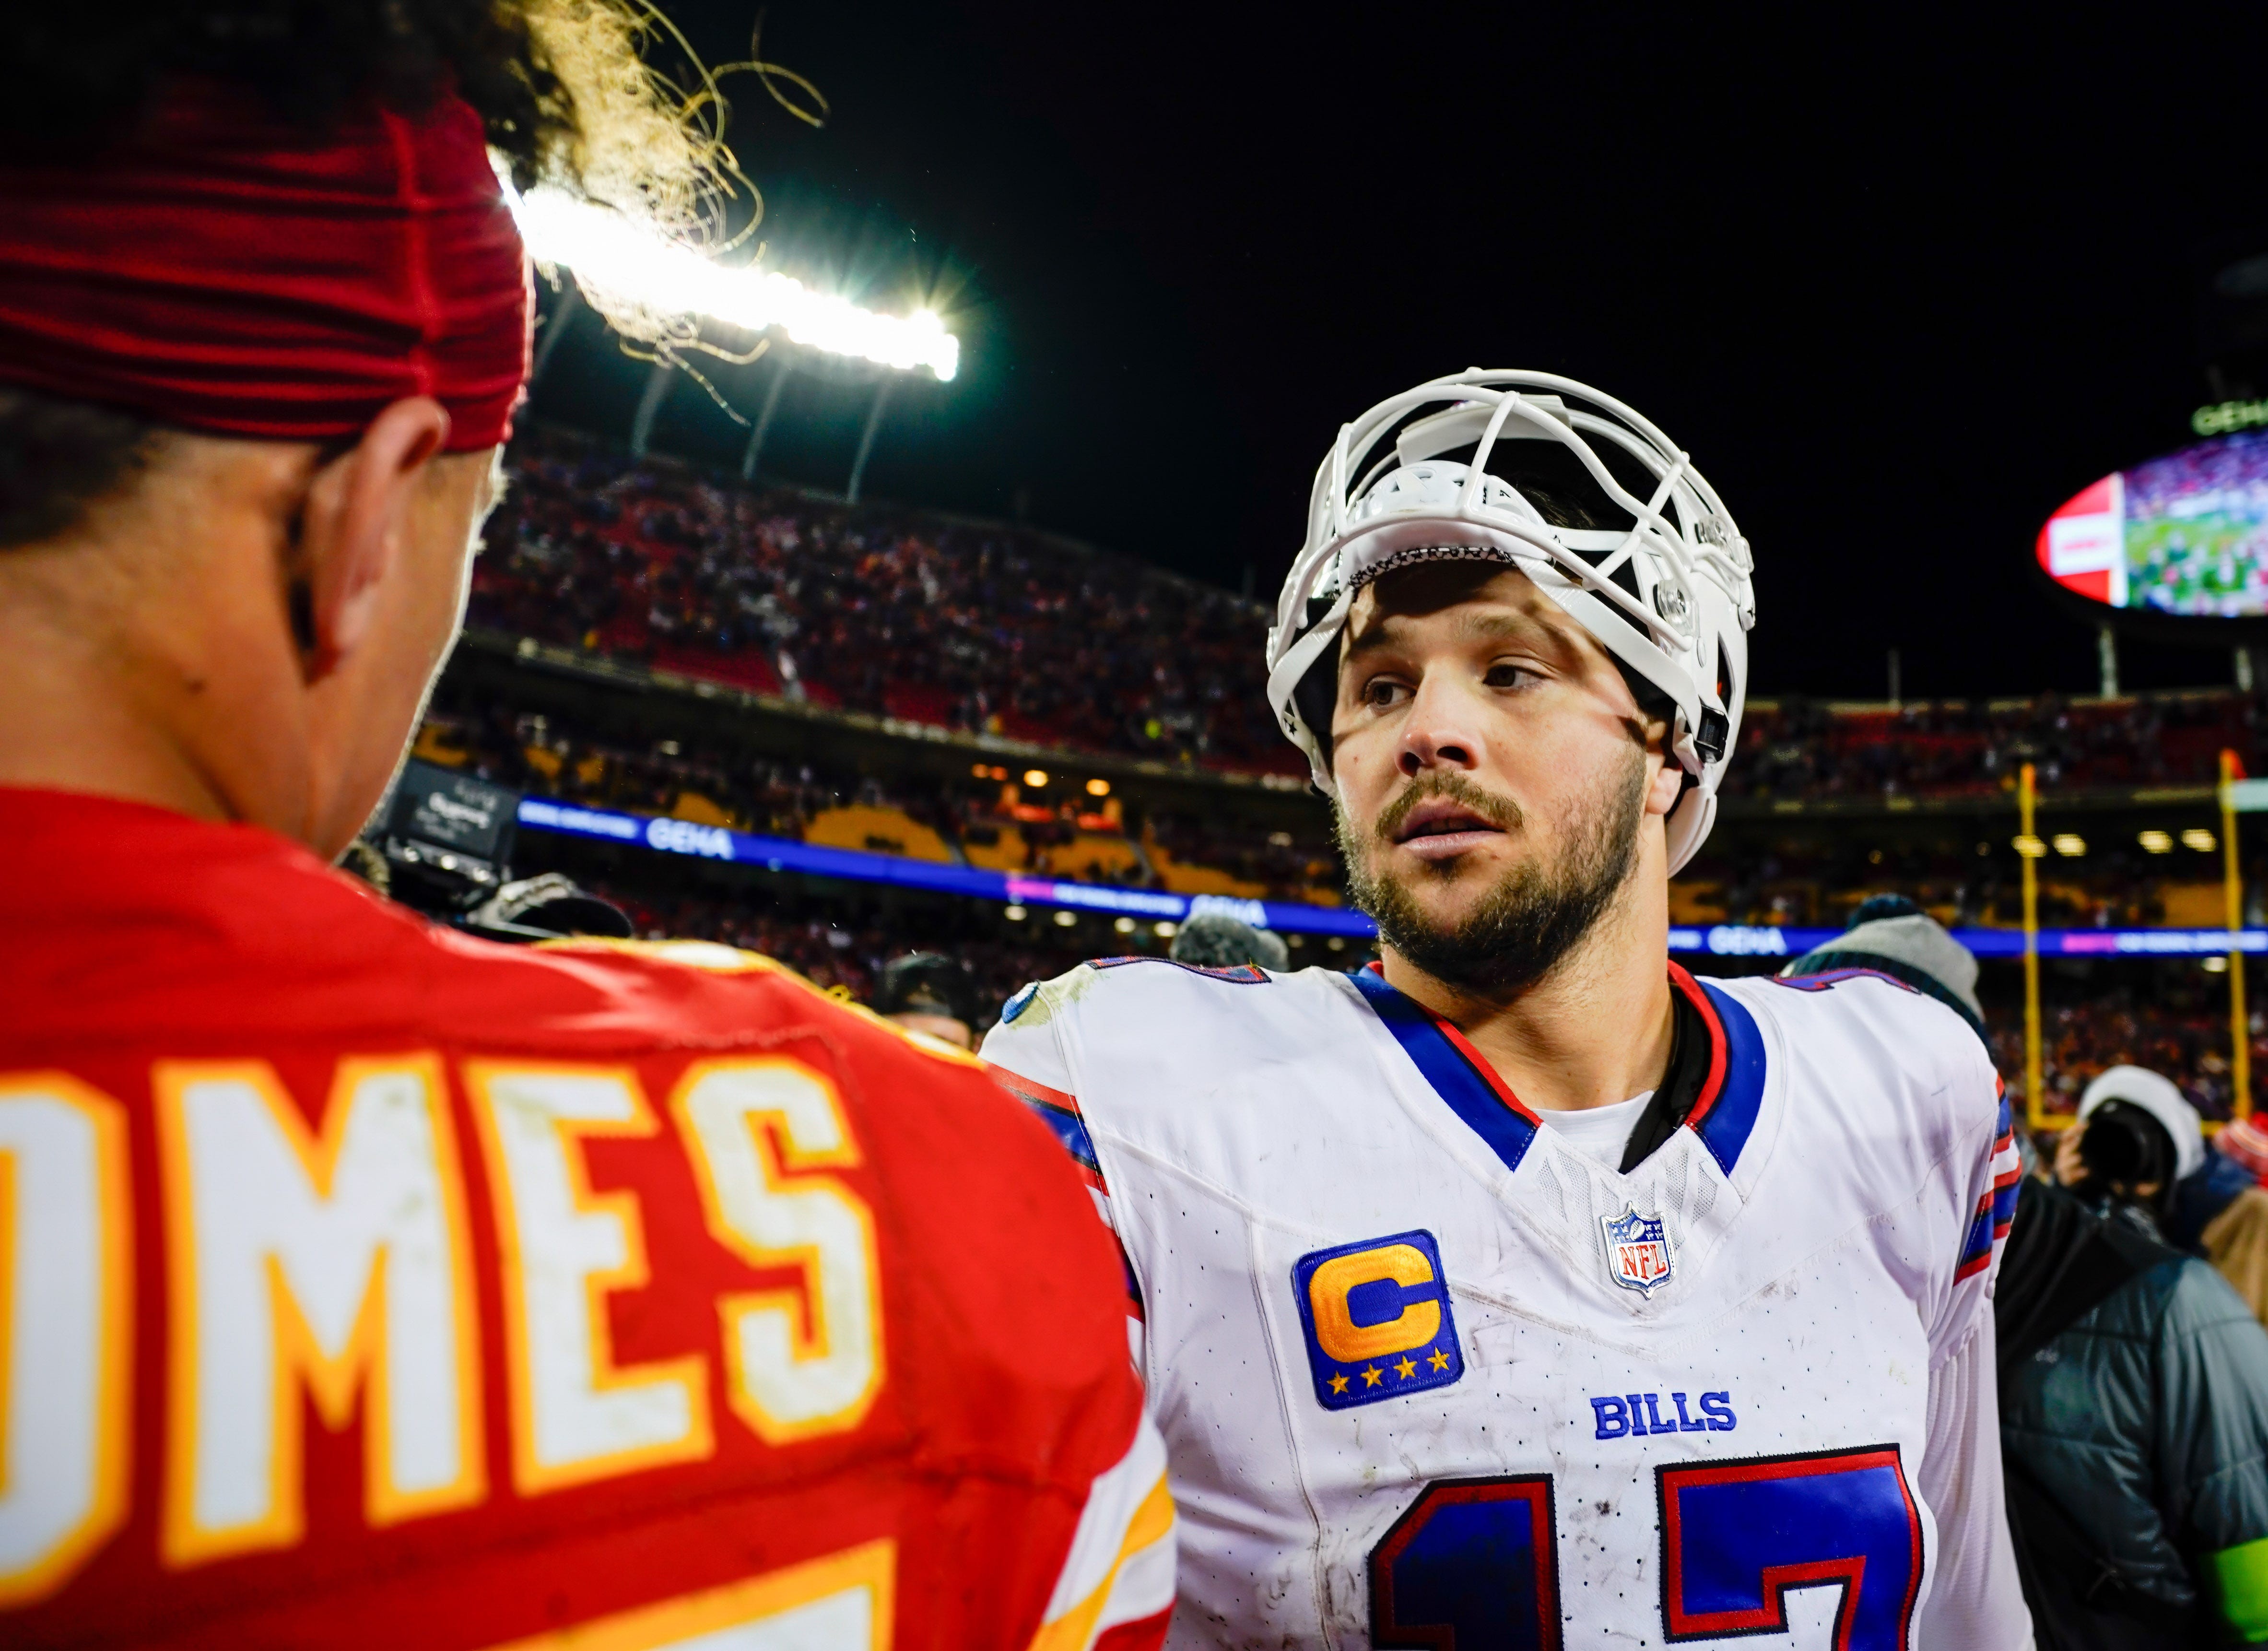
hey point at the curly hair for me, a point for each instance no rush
(562, 86)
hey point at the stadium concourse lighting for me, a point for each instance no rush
(611, 254)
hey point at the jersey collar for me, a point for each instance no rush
(1722, 1112)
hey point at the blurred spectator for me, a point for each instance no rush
(1892, 936)
(2244, 1141)
(2134, 1418)
(2135, 1138)
(2138, 1148)
(1216, 940)
(927, 991)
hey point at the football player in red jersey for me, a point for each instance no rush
(364, 1285)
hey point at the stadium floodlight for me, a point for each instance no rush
(610, 253)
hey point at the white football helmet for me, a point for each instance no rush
(1669, 595)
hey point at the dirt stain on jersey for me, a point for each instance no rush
(1051, 995)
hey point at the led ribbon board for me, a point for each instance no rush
(1725, 939)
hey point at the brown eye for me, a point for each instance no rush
(1501, 675)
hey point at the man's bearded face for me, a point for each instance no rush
(1492, 770)
(1518, 928)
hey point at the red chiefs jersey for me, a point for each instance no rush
(364, 1285)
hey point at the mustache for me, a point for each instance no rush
(1500, 812)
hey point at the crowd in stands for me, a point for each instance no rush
(2171, 1018)
(2120, 1021)
(984, 815)
(996, 629)
(1961, 880)
(879, 610)
(1792, 751)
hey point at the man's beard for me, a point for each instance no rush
(1524, 927)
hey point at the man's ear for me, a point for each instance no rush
(351, 528)
(1666, 786)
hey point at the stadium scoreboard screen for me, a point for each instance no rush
(2186, 535)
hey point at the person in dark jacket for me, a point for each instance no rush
(2133, 1388)
(2134, 1427)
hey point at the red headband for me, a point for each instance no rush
(226, 273)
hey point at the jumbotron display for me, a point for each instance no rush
(2184, 534)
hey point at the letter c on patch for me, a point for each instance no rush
(1350, 1342)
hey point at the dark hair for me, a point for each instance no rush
(2123, 1145)
(1213, 939)
(56, 458)
(79, 78)
(545, 76)
(928, 983)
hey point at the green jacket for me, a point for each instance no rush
(2146, 1421)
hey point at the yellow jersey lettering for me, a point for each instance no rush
(64, 1337)
(337, 1260)
(845, 1603)
(576, 1415)
(802, 1363)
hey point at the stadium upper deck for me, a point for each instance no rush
(993, 630)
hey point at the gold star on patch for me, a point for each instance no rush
(1439, 1359)
(1373, 1376)
(1407, 1368)
(1338, 1384)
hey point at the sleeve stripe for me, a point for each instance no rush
(2003, 1169)
(1060, 1113)
(1031, 1093)
(1120, 1570)
(1976, 1250)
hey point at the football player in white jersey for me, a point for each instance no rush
(1522, 1291)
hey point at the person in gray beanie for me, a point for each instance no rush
(1216, 941)
(1892, 936)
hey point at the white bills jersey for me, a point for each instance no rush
(1429, 1376)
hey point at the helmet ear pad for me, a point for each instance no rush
(1317, 696)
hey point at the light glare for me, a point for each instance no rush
(612, 253)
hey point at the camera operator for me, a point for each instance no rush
(2139, 1152)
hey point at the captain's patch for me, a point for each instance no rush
(1376, 1317)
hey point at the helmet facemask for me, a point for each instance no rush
(1582, 495)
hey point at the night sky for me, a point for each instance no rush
(1901, 284)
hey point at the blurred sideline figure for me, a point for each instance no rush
(367, 1284)
(2133, 1382)
(931, 993)
(1890, 935)
(1216, 941)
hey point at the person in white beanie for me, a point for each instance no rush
(2139, 1149)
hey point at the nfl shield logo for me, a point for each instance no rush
(1637, 1250)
